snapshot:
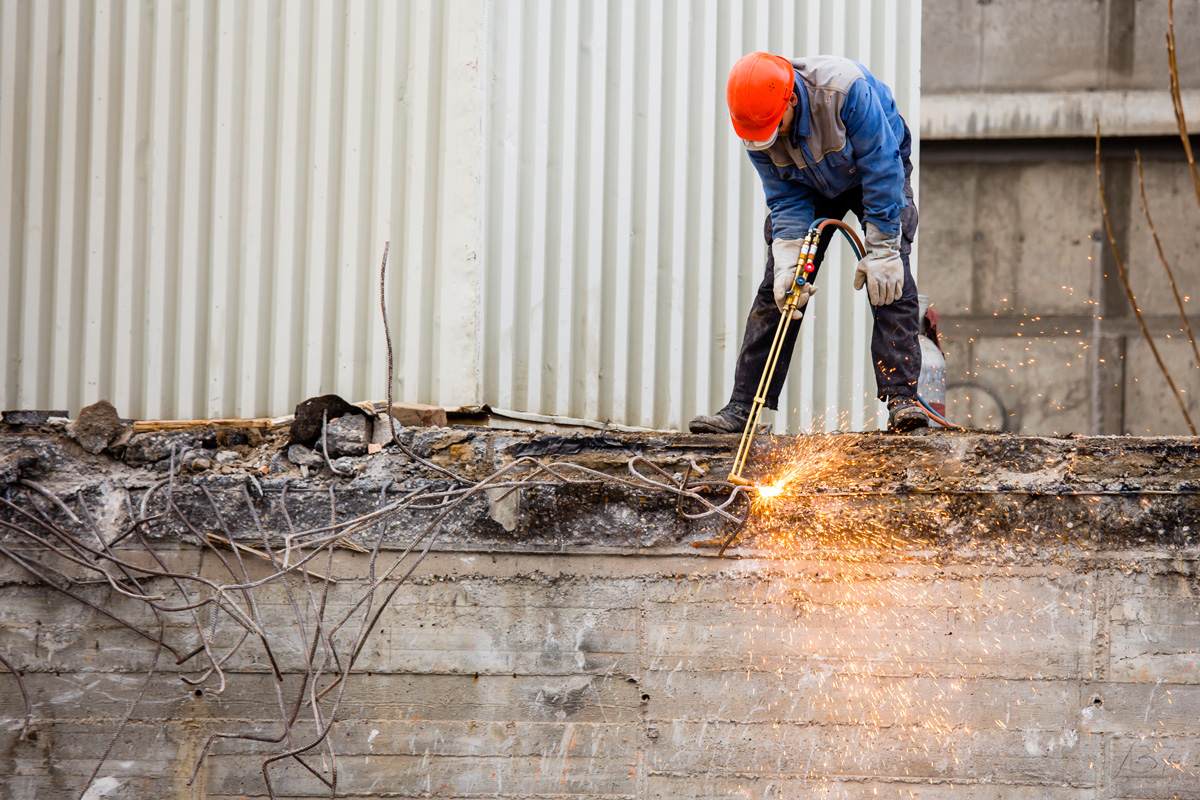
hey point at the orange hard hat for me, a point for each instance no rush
(758, 92)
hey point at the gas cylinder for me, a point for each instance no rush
(932, 383)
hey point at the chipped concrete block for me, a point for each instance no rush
(381, 434)
(24, 416)
(504, 506)
(301, 456)
(96, 426)
(348, 435)
(418, 415)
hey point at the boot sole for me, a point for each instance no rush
(908, 422)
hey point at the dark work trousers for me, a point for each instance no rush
(895, 347)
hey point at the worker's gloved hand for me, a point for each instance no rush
(787, 255)
(881, 270)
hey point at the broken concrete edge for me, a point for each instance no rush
(475, 415)
(942, 495)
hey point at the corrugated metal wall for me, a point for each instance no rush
(194, 198)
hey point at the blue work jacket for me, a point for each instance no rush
(846, 131)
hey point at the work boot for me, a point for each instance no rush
(906, 414)
(730, 419)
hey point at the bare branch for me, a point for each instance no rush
(1137, 312)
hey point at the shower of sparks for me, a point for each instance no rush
(853, 635)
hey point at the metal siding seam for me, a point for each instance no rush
(576, 389)
(96, 278)
(604, 212)
(543, 297)
(411, 275)
(569, 158)
(453, 191)
(496, 189)
(10, 268)
(661, 255)
(622, 224)
(34, 348)
(712, 99)
(507, 214)
(633, 58)
(273, 277)
(288, 220)
(349, 259)
(320, 204)
(546, 396)
(688, 274)
(123, 344)
(522, 268)
(251, 266)
(430, 129)
(399, 289)
(417, 278)
(64, 219)
(358, 224)
(381, 193)
(191, 281)
(678, 275)
(526, 80)
(594, 375)
(787, 30)
(171, 295)
(223, 253)
(363, 266)
(461, 207)
(158, 227)
(646, 329)
(339, 133)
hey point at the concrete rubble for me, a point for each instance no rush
(950, 614)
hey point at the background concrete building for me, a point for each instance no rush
(1039, 334)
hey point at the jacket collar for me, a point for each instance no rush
(802, 121)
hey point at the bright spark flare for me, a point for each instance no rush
(770, 491)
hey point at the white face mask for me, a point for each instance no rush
(763, 145)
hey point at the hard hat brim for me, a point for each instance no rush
(762, 133)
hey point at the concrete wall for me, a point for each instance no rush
(1015, 261)
(659, 675)
(1001, 617)
(1065, 45)
(1040, 337)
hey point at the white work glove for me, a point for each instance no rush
(881, 270)
(787, 256)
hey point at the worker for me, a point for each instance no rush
(826, 138)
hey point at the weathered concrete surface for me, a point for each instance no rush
(1012, 248)
(1039, 335)
(1028, 68)
(1029, 45)
(943, 616)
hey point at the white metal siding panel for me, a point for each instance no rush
(194, 198)
(609, 148)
